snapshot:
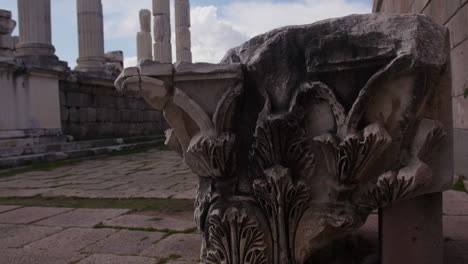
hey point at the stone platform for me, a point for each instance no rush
(50, 233)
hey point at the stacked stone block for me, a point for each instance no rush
(94, 110)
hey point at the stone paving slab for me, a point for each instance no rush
(134, 243)
(70, 240)
(5, 208)
(82, 217)
(27, 215)
(154, 174)
(31, 256)
(19, 235)
(187, 246)
(160, 222)
(113, 259)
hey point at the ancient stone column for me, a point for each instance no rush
(90, 35)
(162, 31)
(35, 37)
(144, 40)
(182, 23)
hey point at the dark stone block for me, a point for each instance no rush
(461, 151)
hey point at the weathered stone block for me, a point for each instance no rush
(76, 99)
(461, 152)
(458, 25)
(64, 114)
(92, 115)
(417, 6)
(121, 103)
(7, 42)
(126, 115)
(460, 112)
(83, 112)
(437, 10)
(459, 57)
(74, 115)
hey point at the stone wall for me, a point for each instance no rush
(91, 107)
(454, 15)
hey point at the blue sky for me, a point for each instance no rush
(216, 25)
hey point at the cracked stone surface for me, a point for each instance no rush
(29, 215)
(82, 217)
(183, 245)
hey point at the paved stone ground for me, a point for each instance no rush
(154, 174)
(48, 235)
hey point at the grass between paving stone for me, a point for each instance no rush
(39, 167)
(459, 186)
(171, 257)
(49, 166)
(167, 232)
(136, 204)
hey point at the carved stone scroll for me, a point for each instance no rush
(300, 133)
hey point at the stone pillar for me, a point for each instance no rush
(35, 37)
(412, 231)
(144, 40)
(162, 31)
(182, 23)
(90, 35)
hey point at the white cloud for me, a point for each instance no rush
(211, 35)
(130, 61)
(122, 17)
(254, 18)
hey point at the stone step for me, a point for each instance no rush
(17, 161)
(6, 152)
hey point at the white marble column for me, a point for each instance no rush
(144, 38)
(90, 35)
(183, 38)
(162, 31)
(35, 36)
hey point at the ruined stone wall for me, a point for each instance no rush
(454, 15)
(93, 108)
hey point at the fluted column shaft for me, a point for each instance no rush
(162, 31)
(35, 33)
(144, 38)
(183, 38)
(90, 35)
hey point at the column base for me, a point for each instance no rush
(25, 49)
(90, 64)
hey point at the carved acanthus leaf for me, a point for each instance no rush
(213, 156)
(281, 140)
(389, 188)
(349, 160)
(235, 238)
(284, 204)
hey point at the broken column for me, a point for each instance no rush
(7, 25)
(144, 40)
(90, 35)
(182, 23)
(162, 31)
(35, 37)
